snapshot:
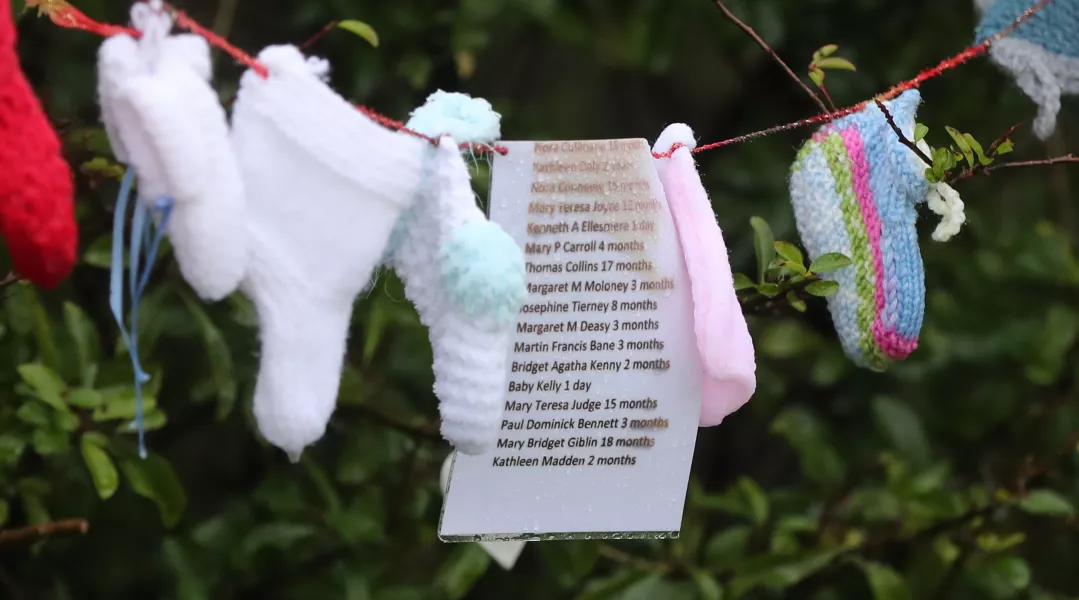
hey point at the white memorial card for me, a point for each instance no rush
(604, 383)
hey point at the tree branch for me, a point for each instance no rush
(968, 173)
(753, 34)
(902, 138)
(44, 530)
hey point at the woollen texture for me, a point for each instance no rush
(465, 275)
(723, 339)
(37, 214)
(854, 188)
(1042, 54)
(325, 186)
(165, 120)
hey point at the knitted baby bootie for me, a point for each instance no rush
(465, 275)
(1042, 54)
(723, 339)
(325, 186)
(37, 215)
(166, 122)
(854, 188)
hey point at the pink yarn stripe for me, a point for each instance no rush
(889, 341)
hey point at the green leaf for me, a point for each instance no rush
(755, 499)
(762, 243)
(1047, 503)
(49, 441)
(836, 63)
(962, 144)
(101, 468)
(817, 76)
(903, 429)
(768, 289)
(789, 251)
(153, 478)
(978, 150)
(460, 572)
(727, 548)
(809, 438)
(119, 402)
(222, 374)
(823, 288)
(707, 586)
(84, 398)
(1004, 148)
(5, 511)
(280, 535)
(96, 438)
(884, 581)
(1000, 577)
(741, 282)
(87, 343)
(34, 413)
(47, 385)
(781, 571)
(797, 303)
(361, 29)
(99, 253)
(920, 132)
(825, 51)
(833, 261)
(618, 585)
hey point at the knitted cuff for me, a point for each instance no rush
(723, 339)
(296, 100)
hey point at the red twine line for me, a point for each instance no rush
(71, 18)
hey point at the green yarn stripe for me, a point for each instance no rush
(835, 152)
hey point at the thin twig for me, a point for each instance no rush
(902, 138)
(753, 34)
(10, 279)
(1067, 158)
(44, 530)
(318, 36)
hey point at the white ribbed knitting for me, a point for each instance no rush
(470, 324)
(165, 120)
(325, 186)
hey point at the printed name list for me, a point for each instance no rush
(603, 382)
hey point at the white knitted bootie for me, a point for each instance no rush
(325, 186)
(164, 119)
(466, 277)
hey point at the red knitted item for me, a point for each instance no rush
(37, 216)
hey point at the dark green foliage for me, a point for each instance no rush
(953, 476)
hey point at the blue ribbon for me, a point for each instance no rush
(141, 239)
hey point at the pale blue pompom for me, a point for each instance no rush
(483, 272)
(466, 119)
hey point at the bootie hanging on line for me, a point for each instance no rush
(1042, 54)
(723, 339)
(37, 214)
(325, 186)
(165, 122)
(855, 189)
(465, 275)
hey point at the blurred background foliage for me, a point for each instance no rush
(951, 476)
